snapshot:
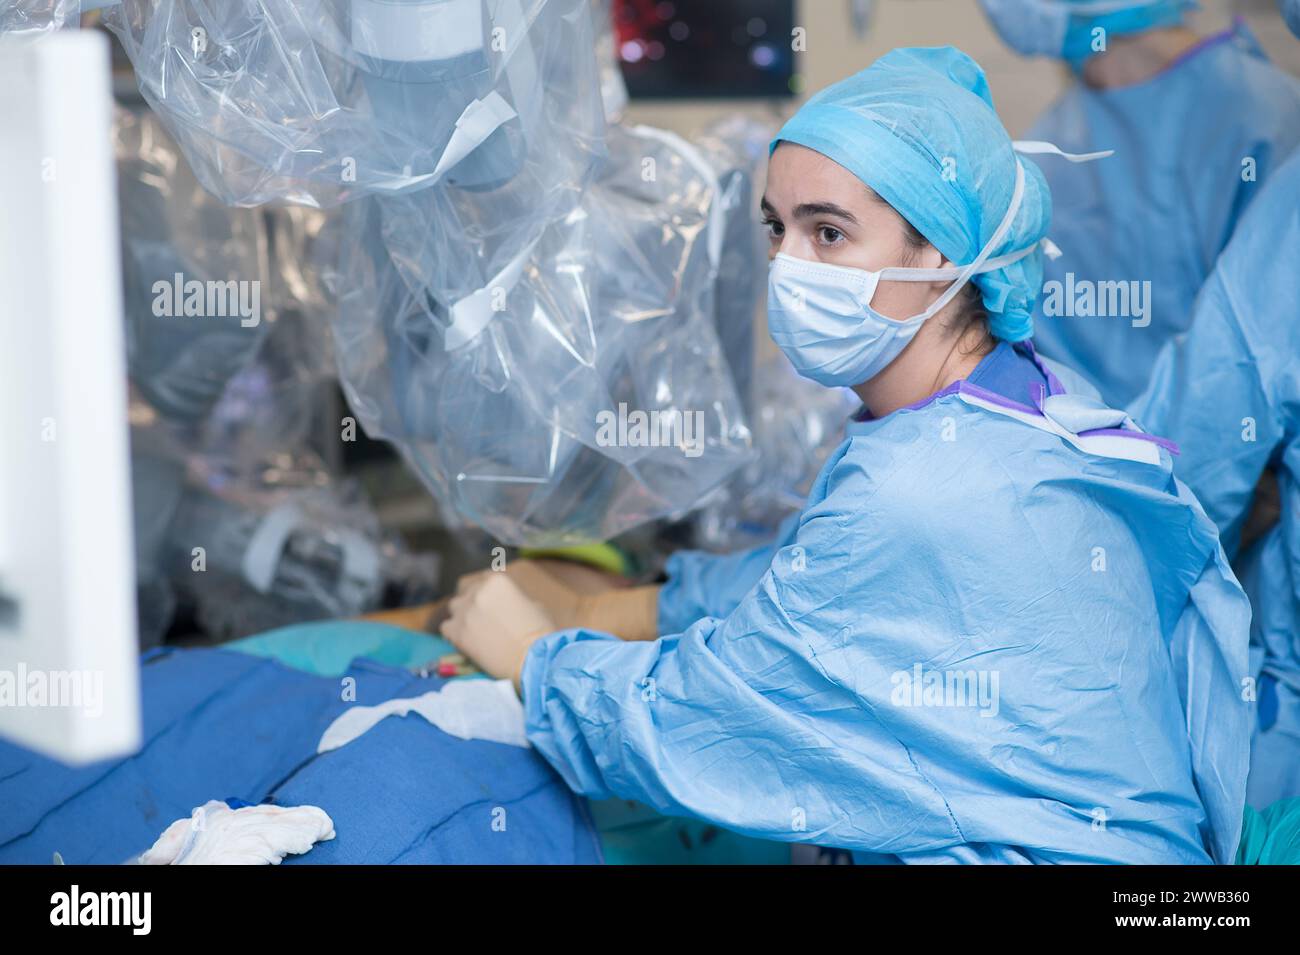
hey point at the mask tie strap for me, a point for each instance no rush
(983, 262)
(1036, 147)
(994, 241)
(990, 265)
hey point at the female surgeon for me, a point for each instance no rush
(999, 631)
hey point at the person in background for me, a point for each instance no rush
(999, 630)
(1229, 393)
(1198, 125)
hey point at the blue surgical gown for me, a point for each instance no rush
(979, 642)
(1193, 147)
(1229, 393)
(704, 584)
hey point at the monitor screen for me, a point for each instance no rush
(705, 48)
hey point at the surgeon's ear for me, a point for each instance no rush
(920, 253)
(928, 257)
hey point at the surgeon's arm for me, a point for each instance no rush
(630, 613)
(767, 721)
(701, 584)
(570, 599)
(733, 721)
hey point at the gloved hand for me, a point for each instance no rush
(494, 623)
(630, 613)
(549, 583)
(215, 834)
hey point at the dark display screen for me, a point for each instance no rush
(705, 48)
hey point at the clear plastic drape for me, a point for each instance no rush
(527, 300)
(236, 511)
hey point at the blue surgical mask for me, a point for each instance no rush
(821, 316)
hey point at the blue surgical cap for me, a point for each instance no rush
(1291, 14)
(1065, 28)
(918, 127)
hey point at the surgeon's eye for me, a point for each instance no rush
(829, 235)
(775, 229)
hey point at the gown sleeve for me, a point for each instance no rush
(701, 584)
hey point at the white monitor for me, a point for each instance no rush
(69, 681)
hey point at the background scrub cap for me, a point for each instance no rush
(1291, 14)
(918, 126)
(1064, 27)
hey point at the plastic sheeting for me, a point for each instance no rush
(613, 90)
(523, 418)
(796, 425)
(226, 409)
(174, 233)
(241, 383)
(737, 148)
(320, 101)
(32, 18)
(527, 299)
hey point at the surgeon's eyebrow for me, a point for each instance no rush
(806, 210)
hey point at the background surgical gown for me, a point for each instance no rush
(1193, 147)
(1229, 394)
(946, 539)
